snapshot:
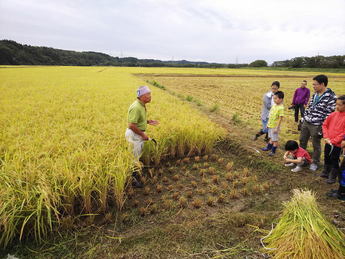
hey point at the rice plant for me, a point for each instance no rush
(62, 146)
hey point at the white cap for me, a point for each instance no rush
(143, 90)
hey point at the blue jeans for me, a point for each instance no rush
(264, 125)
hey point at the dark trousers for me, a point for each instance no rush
(332, 155)
(309, 130)
(299, 108)
(341, 189)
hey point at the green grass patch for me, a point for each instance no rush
(214, 108)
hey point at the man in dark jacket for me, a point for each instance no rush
(321, 105)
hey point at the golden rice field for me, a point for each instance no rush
(62, 146)
(238, 96)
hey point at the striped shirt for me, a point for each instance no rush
(320, 107)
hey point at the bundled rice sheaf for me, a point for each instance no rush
(303, 232)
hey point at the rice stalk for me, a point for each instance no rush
(303, 232)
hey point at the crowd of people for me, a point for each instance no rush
(322, 116)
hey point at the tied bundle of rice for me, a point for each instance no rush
(303, 232)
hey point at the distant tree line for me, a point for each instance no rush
(312, 62)
(13, 53)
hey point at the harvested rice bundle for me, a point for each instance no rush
(303, 232)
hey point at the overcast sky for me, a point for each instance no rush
(225, 31)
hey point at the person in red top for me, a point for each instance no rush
(295, 155)
(333, 130)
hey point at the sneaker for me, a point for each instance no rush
(324, 175)
(271, 154)
(265, 149)
(313, 167)
(289, 164)
(332, 193)
(331, 181)
(336, 195)
(297, 169)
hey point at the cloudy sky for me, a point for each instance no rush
(225, 31)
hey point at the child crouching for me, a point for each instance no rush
(295, 155)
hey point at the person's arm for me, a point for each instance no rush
(153, 122)
(294, 97)
(342, 145)
(286, 155)
(307, 98)
(325, 126)
(330, 106)
(295, 161)
(267, 102)
(311, 100)
(136, 130)
(275, 130)
(337, 139)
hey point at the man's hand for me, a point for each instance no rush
(153, 122)
(343, 145)
(275, 130)
(144, 136)
(328, 141)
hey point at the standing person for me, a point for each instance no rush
(340, 193)
(137, 123)
(333, 132)
(266, 106)
(274, 122)
(321, 105)
(300, 99)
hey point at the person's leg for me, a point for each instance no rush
(274, 147)
(327, 162)
(302, 110)
(340, 193)
(269, 145)
(341, 189)
(334, 160)
(316, 141)
(335, 156)
(263, 130)
(264, 126)
(290, 156)
(274, 141)
(304, 136)
(296, 108)
(136, 144)
(299, 166)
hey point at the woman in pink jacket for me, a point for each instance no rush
(333, 130)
